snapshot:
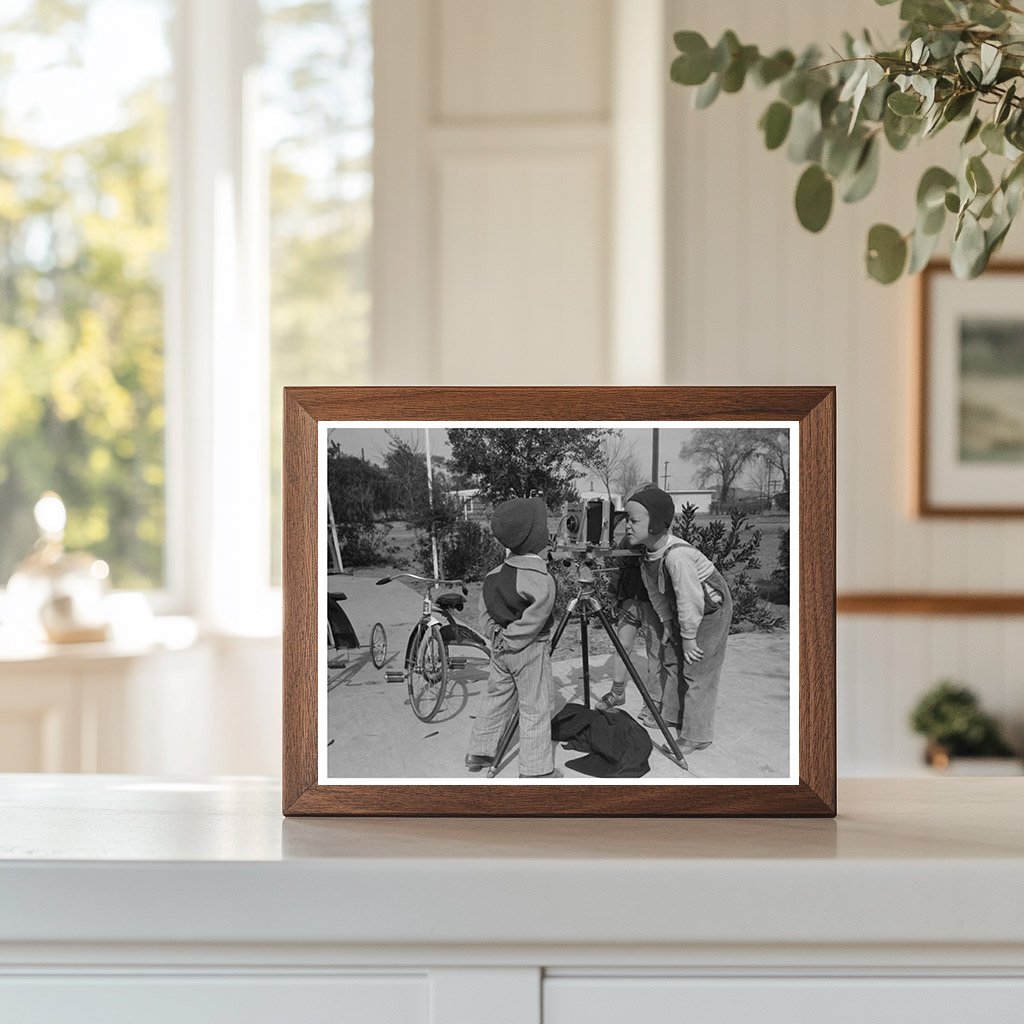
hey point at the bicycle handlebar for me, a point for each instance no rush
(432, 580)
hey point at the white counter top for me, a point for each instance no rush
(116, 860)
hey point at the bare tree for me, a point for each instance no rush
(629, 477)
(775, 447)
(615, 463)
(721, 455)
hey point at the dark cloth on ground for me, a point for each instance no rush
(616, 745)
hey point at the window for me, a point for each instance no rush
(317, 126)
(83, 238)
(185, 222)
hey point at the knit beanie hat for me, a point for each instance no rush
(521, 524)
(661, 509)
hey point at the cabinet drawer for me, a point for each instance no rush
(568, 1000)
(202, 999)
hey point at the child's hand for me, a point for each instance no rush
(691, 652)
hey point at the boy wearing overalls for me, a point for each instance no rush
(515, 613)
(694, 609)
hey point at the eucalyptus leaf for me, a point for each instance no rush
(968, 247)
(814, 195)
(724, 51)
(886, 253)
(991, 61)
(707, 93)
(771, 69)
(691, 68)
(987, 15)
(865, 173)
(993, 138)
(805, 133)
(775, 122)
(904, 103)
(952, 202)
(931, 190)
(973, 129)
(794, 88)
(922, 248)
(1004, 106)
(978, 176)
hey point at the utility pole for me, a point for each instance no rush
(654, 456)
(665, 488)
(430, 499)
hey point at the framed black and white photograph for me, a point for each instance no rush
(970, 452)
(564, 606)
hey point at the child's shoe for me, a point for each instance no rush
(612, 699)
(688, 748)
(477, 762)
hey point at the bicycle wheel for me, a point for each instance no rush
(427, 674)
(378, 645)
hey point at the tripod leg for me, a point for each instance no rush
(565, 622)
(602, 616)
(586, 657)
(503, 744)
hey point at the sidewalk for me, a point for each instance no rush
(376, 735)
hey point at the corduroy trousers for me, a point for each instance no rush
(690, 694)
(523, 680)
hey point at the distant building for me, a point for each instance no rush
(472, 503)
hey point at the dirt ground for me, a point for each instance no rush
(372, 732)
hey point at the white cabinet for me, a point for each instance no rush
(199, 999)
(824, 1000)
(132, 898)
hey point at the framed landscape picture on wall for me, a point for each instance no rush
(561, 601)
(970, 450)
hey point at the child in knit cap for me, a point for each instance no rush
(515, 612)
(694, 609)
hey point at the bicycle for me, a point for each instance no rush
(342, 636)
(427, 656)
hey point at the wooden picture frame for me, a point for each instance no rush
(956, 473)
(808, 413)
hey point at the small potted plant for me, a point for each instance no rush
(950, 717)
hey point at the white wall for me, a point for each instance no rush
(526, 143)
(754, 299)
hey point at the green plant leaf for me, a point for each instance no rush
(931, 191)
(794, 89)
(707, 93)
(978, 176)
(904, 103)
(1004, 106)
(968, 255)
(693, 65)
(991, 60)
(973, 129)
(993, 138)
(805, 133)
(735, 74)
(865, 173)
(724, 51)
(922, 247)
(886, 254)
(775, 124)
(771, 69)
(952, 202)
(987, 15)
(814, 194)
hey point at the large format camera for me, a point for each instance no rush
(587, 524)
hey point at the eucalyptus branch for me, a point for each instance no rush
(833, 117)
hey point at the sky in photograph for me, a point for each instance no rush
(372, 442)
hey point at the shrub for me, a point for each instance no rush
(776, 587)
(950, 716)
(734, 551)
